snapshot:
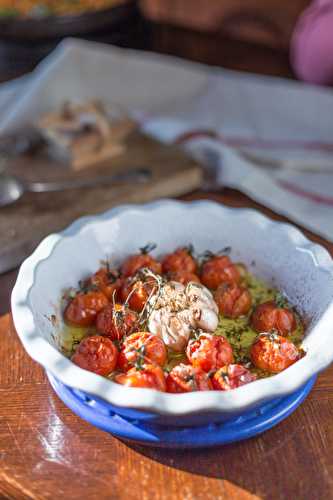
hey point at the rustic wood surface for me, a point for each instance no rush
(268, 22)
(25, 223)
(220, 50)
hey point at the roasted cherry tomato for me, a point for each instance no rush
(184, 277)
(268, 317)
(209, 352)
(148, 376)
(97, 354)
(180, 260)
(83, 309)
(116, 320)
(217, 270)
(231, 376)
(232, 300)
(187, 378)
(136, 293)
(142, 347)
(273, 353)
(139, 261)
(107, 281)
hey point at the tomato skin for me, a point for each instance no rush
(96, 354)
(149, 377)
(273, 353)
(138, 293)
(184, 277)
(115, 321)
(104, 280)
(83, 309)
(232, 376)
(136, 262)
(217, 270)
(187, 378)
(268, 317)
(150, 348)
(209, 352)
(180, 260)
(232, 300)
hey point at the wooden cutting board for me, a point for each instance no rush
(25, 223)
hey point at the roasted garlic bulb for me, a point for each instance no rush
(179, 309)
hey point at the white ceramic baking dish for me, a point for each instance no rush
(277, 252)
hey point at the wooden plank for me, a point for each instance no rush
(266, 22)
(25, 223)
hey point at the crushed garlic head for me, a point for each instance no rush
(181, 309)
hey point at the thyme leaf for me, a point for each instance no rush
(148, 248)
(281, 300)
(141, 357)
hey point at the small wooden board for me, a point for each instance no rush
(25, 223)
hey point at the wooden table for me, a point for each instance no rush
(48, 452)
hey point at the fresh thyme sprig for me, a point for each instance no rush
(157, 282)
(190, 250)
(148, 248)
(280, 300)
(273, 336)
(208, 254)
(141, 357)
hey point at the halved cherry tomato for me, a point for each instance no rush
(136, 262)
(115, 321)
(217, 270)
(273, 353)
(231, 376)
(268, 317)
(149, 376)
(232, 300)
(187, 378)
(83, 309)
(142, 347)
(107, 282)
(184, 277)
(97, 354)
(209, 352)
(180, 260)
(136, 293)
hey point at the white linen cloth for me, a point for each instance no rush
(270, 117)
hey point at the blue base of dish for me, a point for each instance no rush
(104, 416)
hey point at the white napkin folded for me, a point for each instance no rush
(269, 118)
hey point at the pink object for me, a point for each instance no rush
(312, 44)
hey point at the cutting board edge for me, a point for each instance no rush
(15, 254)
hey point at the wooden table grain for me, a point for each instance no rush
(48, 452)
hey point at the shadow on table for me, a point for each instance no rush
(266, 465)
(233, 462)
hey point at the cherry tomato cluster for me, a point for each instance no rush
(111, 303)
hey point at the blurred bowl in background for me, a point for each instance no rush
(39, 27)
(24, 41)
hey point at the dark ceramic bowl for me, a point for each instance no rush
(43, 27)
